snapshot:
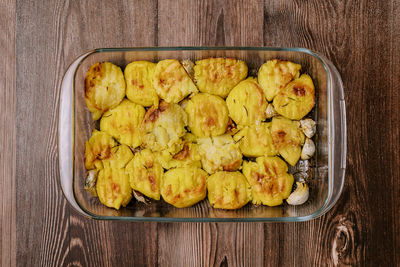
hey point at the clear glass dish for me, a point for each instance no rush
(326, 175)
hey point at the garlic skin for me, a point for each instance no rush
(90, 182)
(309, 127)
(270, 111)
(308, 149)
(300, 195)
(139, 197)
(188, 66)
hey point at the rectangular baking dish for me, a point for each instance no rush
(325, 174)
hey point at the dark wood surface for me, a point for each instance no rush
(38, 39)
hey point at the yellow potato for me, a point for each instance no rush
(287, 138)
(188, 156)
(219, 153)
(98, 148)
(184, 187)
(246, 103)
(104, 88)
(218, 76)
(256, 140)
(171, 81)
(275, 74)
(207, 115)
(139, 83)
(123, 122)
(145, 174)
(112, 185)
(228, 190)
(163, 127)
(270, 183)
(297, 99)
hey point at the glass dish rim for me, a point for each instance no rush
(318, 213)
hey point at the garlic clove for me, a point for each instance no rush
(270, 111)
(188, 66)
(299, 195)
(90, 182)
(308, 149)
(309, 127)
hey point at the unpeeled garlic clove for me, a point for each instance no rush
(309, 127)
(308, 149)
(270, 111)
(90, 182)
(139, 197)
(299, 195)
(188, 66)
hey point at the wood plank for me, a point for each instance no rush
(7, 133)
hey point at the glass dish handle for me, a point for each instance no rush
(65, 134)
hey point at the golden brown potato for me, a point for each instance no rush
(112, 185)
(287, 138)
(228, 190)
(219, 153)
(275, 74)
(218, 76)
(171, 81)
(123, 122)
(256, 140)
(269, 180)
(188, 156)
(145, 174)
(184, 187)
(98, 148)
(104, 88)
(163, 127)
(296, 99)
(139, 83)
(207, 115)
(246, 103)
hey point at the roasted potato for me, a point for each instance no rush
(287, 138)
(256, 140)
(270, 183)
(104, 88)
(139, 83)
(188, 156)
(275, 74)
(184, 187)
(246, 103)
(228, 190)
(218, 76)
(207, 115)
(219, 153)
(98, 148)
(171, 81)
(163, 127)
(123, 123)
(297, 99)
(145, 174)
(112, 185)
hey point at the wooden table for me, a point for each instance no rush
(39, 39)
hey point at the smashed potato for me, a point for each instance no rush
(164, 126)
(246, 103)
(184, 187)
(207, 115)
(139, 83)
(275, 74)
(171, 81)
(123, 122)
(219, 153)
(187, 156)
(218, 76)
(256, 140)
(98, 148)
(104, 88)
(112, 185)
(228, 190)
(297, 99)
(145, 174)
(287, 138)
(270, 183)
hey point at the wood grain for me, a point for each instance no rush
(7, 133)
(38, 41)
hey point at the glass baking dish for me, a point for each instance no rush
(326, 170)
